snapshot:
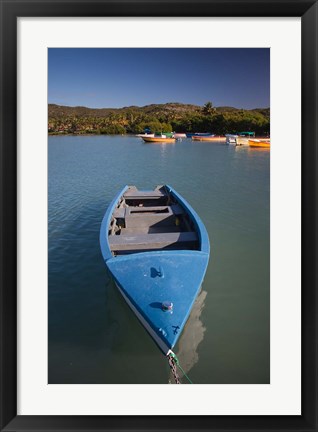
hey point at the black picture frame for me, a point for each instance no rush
(10, 11)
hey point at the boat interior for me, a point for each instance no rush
(150, 220)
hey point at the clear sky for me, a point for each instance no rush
(118, 77)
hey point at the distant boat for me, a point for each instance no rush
(145, 135)
(179, 135)
(166, 137)
(231, 139)
(190, 135)
(209, 138)
(259, 143)
(157, 249)
(243, 137)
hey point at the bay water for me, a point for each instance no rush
(94, 338)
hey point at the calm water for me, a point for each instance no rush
(93, 335)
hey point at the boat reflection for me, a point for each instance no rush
(162, 143)
(252, 150)
(192, 336)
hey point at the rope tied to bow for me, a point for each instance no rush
(174, 363)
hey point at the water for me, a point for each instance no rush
(93, 335)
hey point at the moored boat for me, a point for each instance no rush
(161, 138)
(209, 138)
(243, 137)
(190, 135)
(166, 137)
(241, 141)
(157, 249)
(179, 135)
(150, 135)
(259, 143)
(230, 138)
(147, 133)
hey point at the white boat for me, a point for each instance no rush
(159, 138)
(145, 135)
(179, 135)
(231, 139)
(243, 138)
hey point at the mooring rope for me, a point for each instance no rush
(174, 363)
(173, 368)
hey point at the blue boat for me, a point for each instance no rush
(190, 135)
(157, 249)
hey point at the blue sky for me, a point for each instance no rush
(118, 77)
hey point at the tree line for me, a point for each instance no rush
(158, 118)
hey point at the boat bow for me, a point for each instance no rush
(150, 281)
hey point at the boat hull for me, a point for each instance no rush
(149, 279)
(190, 135)
(159, 139)
(160, 343)
(211, 139)
(259, 143)
(138, 280)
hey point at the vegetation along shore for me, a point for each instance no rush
(156, 117)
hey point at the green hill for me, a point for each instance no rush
(166, 117)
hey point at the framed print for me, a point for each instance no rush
(92, 76)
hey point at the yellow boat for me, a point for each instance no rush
(209, 138)
(259, 143)
(159, 139)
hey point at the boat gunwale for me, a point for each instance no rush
(200, 228)
(103, 236)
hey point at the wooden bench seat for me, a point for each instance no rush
(173, 208)
(136, 194)
(124, 212)
(150, 241)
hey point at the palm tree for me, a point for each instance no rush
(208, 108)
